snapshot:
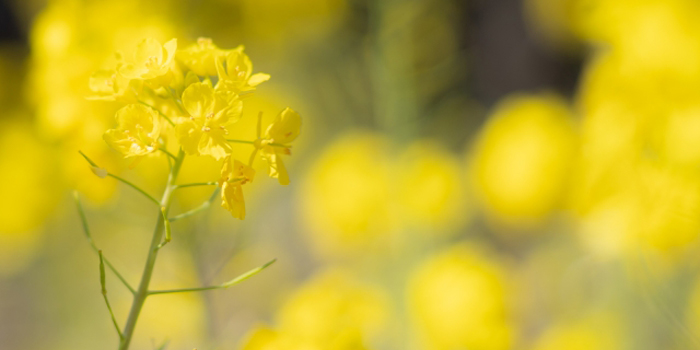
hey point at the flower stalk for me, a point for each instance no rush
(142, 291)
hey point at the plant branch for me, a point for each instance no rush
(103, 173)
(168, 232)
(196, 210)
(88, 236)
(210, 183)
(104, 295)
(159, 112)
(136, 188)
(225, 285)
(142, 291)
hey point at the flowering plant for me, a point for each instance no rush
(195, 96)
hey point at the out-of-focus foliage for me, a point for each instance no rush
(418, 218)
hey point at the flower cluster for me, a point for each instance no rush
(194, 95)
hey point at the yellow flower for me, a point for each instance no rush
(238, 74)
(600, 331)
(234, 175)
(108, 85)
(461, 281)
(204, 132)
(151, 60)
(137, 132)
(278, 135)
(523, 158)
(201, 57)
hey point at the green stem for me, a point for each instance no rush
(230, 283)
(168, 232)
(203, 206)
(104, 295)
(210, 183)
(135, 187)
(159, 112)
(162, 149)
(142, 291)
(177, 101)
(106, 173)
(241, 141)
(88, 236)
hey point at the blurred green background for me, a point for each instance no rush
(471, 174)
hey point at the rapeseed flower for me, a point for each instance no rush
(237, 74)
(234, 175)
(210, 113)
(201, 57)
(151, 62)
(137, 133)
(283, 130)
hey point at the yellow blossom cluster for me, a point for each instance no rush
(193, 96)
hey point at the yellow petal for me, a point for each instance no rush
(102, 81)
(285, 128)
(238, 65)
(232, 199)
(149, 49)
(231, 110)
(242, 170)
(213, 145)
(277, 168)
(188, 134)
(170, 48)
(258, 78)
(131, 71)
(198, 99)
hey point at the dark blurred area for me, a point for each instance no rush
(504, 56)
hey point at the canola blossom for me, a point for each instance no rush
(170, 96)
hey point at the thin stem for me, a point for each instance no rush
(142, 292)
(252, 158)
(259, 127)
(104, 294)
(168, 232)
(159, 112)
(88, 236)
(136, 188)
(120, 179)
(203, 206)
(241, 141)
(230, 283)
(162, 149)
(210, 183)
(177, 101)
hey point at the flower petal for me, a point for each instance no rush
(232, 199)
(198, 99)
(149, 49)
(285, 128)
(258, 78)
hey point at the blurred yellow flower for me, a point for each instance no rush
(137, 132)
(109, 85)
(457, 299)
(345, 198)
(430, 189)
(523, 158)
(151, 61)
(237, 75)
(234, 175)
(332, 311)
(283, 130)
(211, 112)
(201, 57)
(600, 332)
